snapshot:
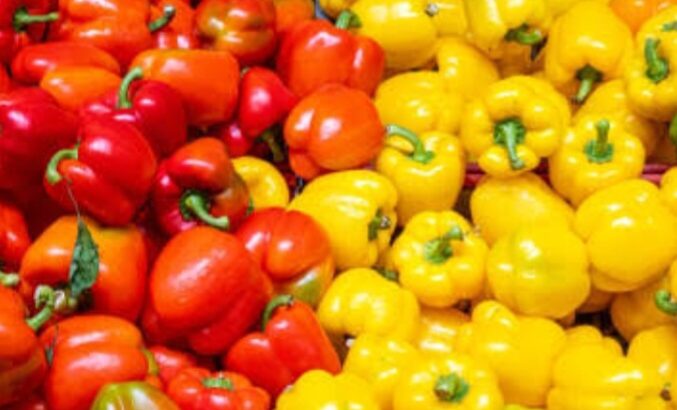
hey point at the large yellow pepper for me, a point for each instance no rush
(520, 350)
(427, 170)
(456, 381)
(501, 206)
(596, 153)
(514, 124)
(627, 219)
(587, 44)
(440, 259)
(319, 390)
(382, 362)
(656, 350)
(356, 209)
(362, 301)
(464, 68)
(669, 189)
(437, 330)
(266, 185)
(420, 101)
(518, 407)
(539, 270)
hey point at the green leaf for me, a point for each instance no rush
(84, 267)
(49, 350)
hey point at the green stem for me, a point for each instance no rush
(124, 101)
(420, 154)
(347, 19)
(390, 274)
(600, 150)
(588, 77)
(52, 172)
(524, 35)
(276, 302)
(451, 388)
(664, 302)
(168, 13)
(218, 383)
(44, 296)
(268, 137)
(657, 67)
(194, 204)
(672, 131)
(380, 222)
(23, 18)
(9, 280)
(509, 133)
(439, 250)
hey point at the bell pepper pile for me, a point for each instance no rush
(338, 204)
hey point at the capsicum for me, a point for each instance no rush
(14, 241)
(437, 330)
(266, 185)
(635, 13)
(72, 86)
(180, 31)
(356, 209)
(669, 189)
(21, 22)
(290, 12)
(318, 390)
(655, 349)
(170, 361)
(131, 396)
(514, 124)
(464, 68)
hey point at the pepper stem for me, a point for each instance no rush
(194, 204)
(439, 250)
(44, 296)
(347, 19)
(168, 13)
(600, 150)
(672, 130)
(268, 137)
(9, 280)
(420, 154)
(657, 67)
(218, 383)
(588, 76)
(509, 133)
(664, 302)
(524, 35)
(390, 274)
(380, 222)
(124, 101)
(52, 172)
(276, 302)
(23, 18)
(451, 388)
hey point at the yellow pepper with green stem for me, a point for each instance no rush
(464, 68)
(319, 390)
(266, 186)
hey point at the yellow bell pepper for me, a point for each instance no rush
(382, 362)
(631, 236)
(356, 209)
(656, 350)
(319, 390)
(669, 189)
(420, 101)
(440, 259)
(518, 407)
(464, 68)
(427, 170)
(456, 381)
(611, 100)
(539, 270)
(591, 373)
(586, 45)
(666, 295)
(520, 350)
(437, 330)
(267, 187)
(595, 153)
(501, 206)
(362, 301)
(514, 124)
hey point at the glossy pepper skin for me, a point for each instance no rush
(514, 124)
(635, 12)
(121, 282)
(215, 305)
(356, 209)
(317, 390)
(586, 45)
(154, 108)
(520, 350)
(291, 343)
(464, 68)
(354, 138)
(88, 353)
(180, 31)
(427, 170)
(32, 127)
(245, 28)
(14, 239)
(197, 388)
(132, 395)
(266, 185)
(290, 12)
(438, 329)
(440, 259)
(362, 301)
(110, 171)
(638, 205)
(197, 185)
(292, 249)
(170, 361)
(193, 73)
(655, 349)
(73, 86)
(22, 22)
(315, 53)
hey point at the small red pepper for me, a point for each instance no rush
(110, 171)
(21, 22)
(154, 108)
(170, 362)
(315, 53)
(180, 32)
(236, 142)
(14, 241)
(198, 185)
(200, 389)
(292, 343)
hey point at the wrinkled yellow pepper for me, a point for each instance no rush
(437, 330)
(319, 390)
(440, 259)
(656, 350)
(464, 68)
(356, 209)
(266, 185)
(514, 124)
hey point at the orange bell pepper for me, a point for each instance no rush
(635, 12)
(71, 87)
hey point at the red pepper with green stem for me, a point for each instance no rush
(180, 32)
(21, 22)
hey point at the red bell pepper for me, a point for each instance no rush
(288, 13)
(21, 22)
(110, 171)
(89, 352)
(292, 249)
(5, 81)
(236, 142)
(14, 241)
(32, 402)
(180, 32)
(292, 343)
(170, 362)
(246, 28)
(23, 365)
(204, 285)
(315, 53)
(154, 108)
(333, 129)
(198, 185)
(31, 64)
(32, 127)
